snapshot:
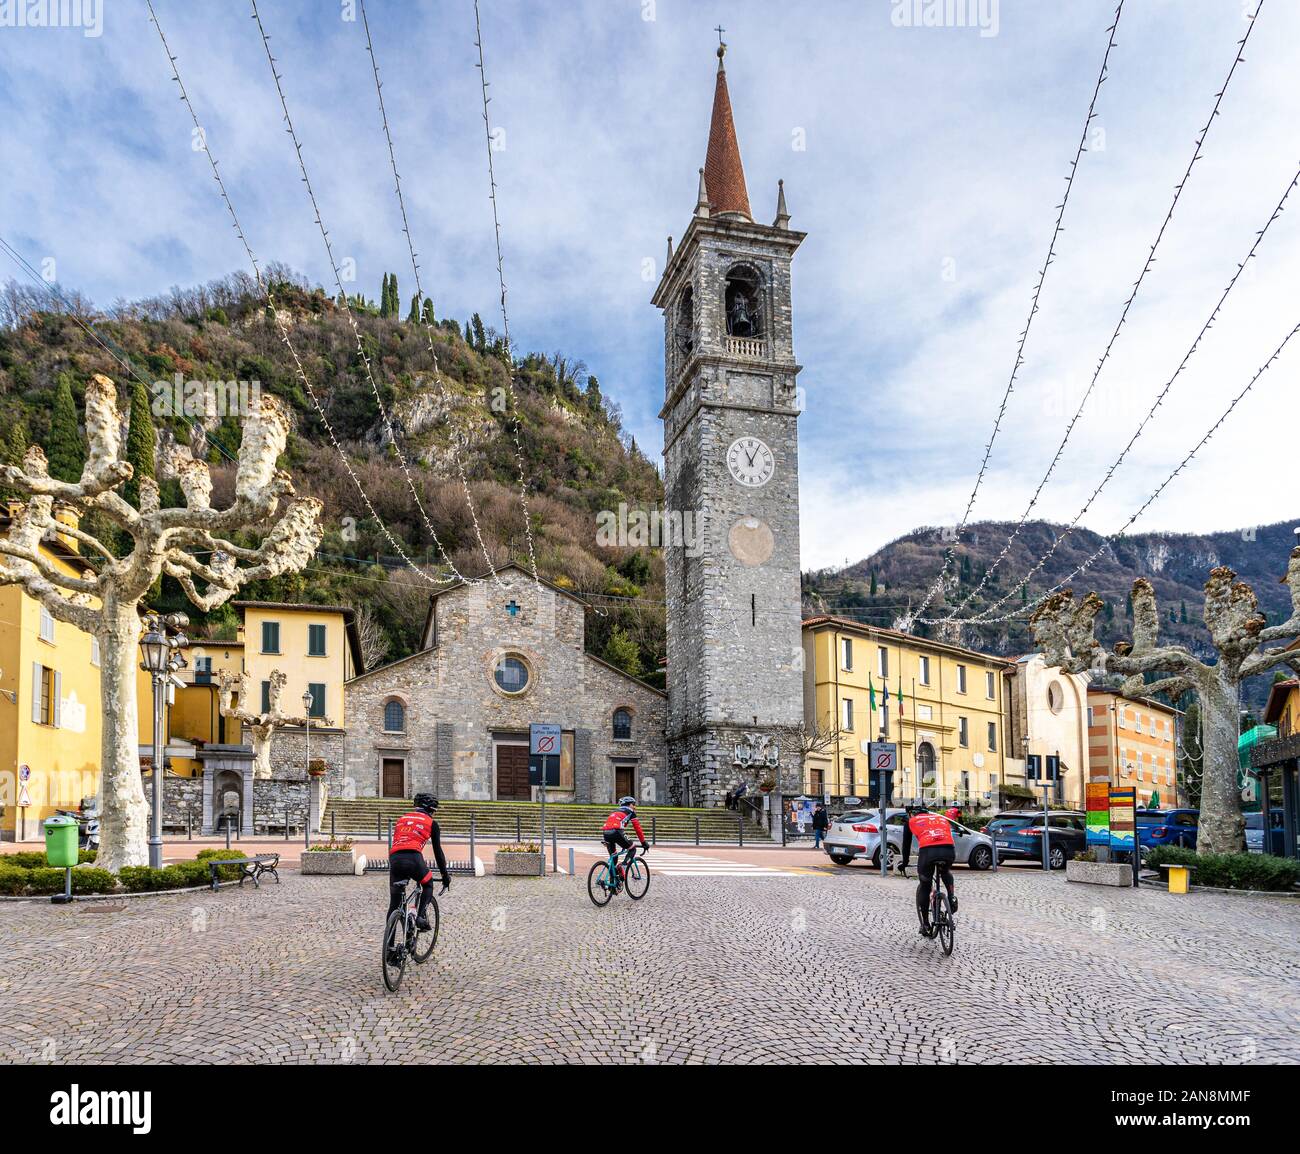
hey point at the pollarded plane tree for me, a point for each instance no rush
(1244, 642)
(191, 543)
(261, 726)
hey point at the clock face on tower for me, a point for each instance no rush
(751, 462)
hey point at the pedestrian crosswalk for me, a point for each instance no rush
(681, 863)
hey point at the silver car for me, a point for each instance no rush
(856, 834)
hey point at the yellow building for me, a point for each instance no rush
(1283, 708)
(49, 704)
(315, 646)
(948, 725)
(193, 715)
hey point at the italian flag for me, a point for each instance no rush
(871, 693)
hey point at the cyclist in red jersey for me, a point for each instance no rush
(612, 832)
(406, 856)
(933, 833)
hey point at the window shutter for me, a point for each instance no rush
(56, 710)
(38, 675)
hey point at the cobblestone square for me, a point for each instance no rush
(812, 967)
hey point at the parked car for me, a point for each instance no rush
(856, 834)
(1167, 827)
(1019, 835)
(1255, 833)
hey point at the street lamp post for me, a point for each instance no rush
(159, 661)
(307, 699)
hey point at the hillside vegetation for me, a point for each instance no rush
(576, 456)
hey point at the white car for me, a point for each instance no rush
(856, 834)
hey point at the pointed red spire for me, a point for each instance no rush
(724, 175)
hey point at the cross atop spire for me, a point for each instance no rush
(724, 175)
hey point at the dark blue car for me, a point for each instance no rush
(1167, 827)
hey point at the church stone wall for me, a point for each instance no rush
(454, 711)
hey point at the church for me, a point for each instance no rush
(507, 651)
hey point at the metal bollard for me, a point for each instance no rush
(471, 840)
(570, 861)
(740, 830)
(555, 851)
(390, 835)
(697, 829)
(654, 834)
(332, 815)
(286, 823)
(227, 835)
(519, 836)
(379, 827)
(189, 826)
(306, 827)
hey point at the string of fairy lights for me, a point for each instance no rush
(950, 553)
(1147, 265)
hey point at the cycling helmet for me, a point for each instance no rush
(627, 801)
(425, 801)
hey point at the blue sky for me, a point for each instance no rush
(932, 160)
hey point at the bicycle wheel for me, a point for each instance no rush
(638, 879)
(394, 953)
(600, 883)
(944, 924)
(425, 940)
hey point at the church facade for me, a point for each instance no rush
(731, 459)
(498, 655)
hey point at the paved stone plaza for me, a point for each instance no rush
(751, 967)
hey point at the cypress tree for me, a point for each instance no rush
(426, 313)
(67, 451)
(386, 298)
(469, 336)
(873, 583)
(413, 317)
(480, 334)
(140, 444)
(394, 297)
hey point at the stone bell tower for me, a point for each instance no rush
(731, 471)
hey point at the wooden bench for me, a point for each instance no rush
(249, 867)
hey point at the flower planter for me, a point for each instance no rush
(340, 862)
(517, 864)
(1099, 873)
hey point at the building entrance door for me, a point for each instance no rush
(512, 773)
(624, 781)
(394, 773)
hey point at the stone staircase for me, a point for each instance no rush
(366, 816)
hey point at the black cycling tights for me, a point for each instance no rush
(409, 863)
(932, 859)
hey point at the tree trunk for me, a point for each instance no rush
(260, 738)
(123, 834)
(1222, 828)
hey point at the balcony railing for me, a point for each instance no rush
(747, 348)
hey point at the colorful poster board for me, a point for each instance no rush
(1123, 818)
(1097, 805)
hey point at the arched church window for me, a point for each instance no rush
(744, 302)
(622, 725)
(394, 716)
(684, 323)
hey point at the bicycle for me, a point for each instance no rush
(605, 879)
(942, 925)
(403, 939)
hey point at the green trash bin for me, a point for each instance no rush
(61, 841)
